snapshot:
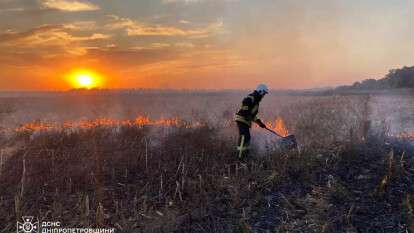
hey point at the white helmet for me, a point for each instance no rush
(262, 89)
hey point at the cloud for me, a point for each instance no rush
(183, 21)
(16, 9)
(46, 34)
(49, 38)
(192, 1)
(69, 5)
(180, 1)
(134, 28)
(170, 46)
(185, 45)
(12, 36)
(81, 25)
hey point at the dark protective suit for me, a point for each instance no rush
(244, 118)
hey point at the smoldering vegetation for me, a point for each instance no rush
(353, 171)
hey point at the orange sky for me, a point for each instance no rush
(203, 44)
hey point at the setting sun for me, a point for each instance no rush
(85, 79)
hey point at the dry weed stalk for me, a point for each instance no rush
(1, 161)
(178, 191)
(244, 226)
(23, 179)
(410, 212)
(350, 212)
(200, 178)
(84, 209)
(18, 206)
(146, 155)
(402, 164)
(160, 191)
(391, 164)
(100, 216)
(383, 186)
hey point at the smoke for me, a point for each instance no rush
(394, 112)
(313, 119)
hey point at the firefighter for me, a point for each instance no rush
(246, 115)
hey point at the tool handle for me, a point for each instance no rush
(273, 132)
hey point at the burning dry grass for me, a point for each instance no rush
(37, 126)
(279, 126)
(139, 121)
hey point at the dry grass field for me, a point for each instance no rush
(167, 163)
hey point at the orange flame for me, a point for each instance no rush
(105, 122)
(279, 126)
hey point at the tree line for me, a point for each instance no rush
(396, 78)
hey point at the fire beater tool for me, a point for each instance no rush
(289, 142)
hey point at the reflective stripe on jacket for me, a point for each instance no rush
(249, 109)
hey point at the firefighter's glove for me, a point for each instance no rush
(260, 123)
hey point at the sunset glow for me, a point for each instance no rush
(85, 79)
(202, 44)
